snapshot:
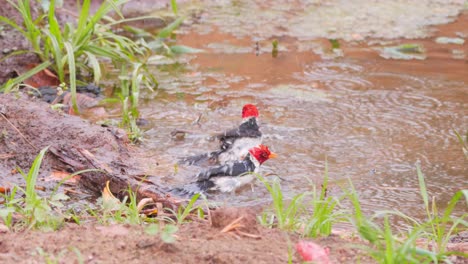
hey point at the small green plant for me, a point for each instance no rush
(334, 43)
(49, 258)
(385, 246)
(274, 49)
(34, 211)
(441, 225)
(76, 48)
(58, 258)
(184, 211)
(115, 211)
(284, 215)
(130, 92)
(463, 142)
(388, 247)
(324, 213)
(293, 215)
(83, 47)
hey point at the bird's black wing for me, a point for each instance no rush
(246, 129)
(249, 128)
(229, 169)
(205, 158)
(190, 189)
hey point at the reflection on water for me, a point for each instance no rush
(372, 119)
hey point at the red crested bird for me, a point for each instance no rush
(230, 176)
(234, 143)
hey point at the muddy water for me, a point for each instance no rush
(371, 118)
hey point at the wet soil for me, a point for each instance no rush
(196, 242)
(28, 125)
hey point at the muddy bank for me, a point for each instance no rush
(195, 242)
(28, 125)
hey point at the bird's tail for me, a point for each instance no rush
(211, 157)
(190, 189)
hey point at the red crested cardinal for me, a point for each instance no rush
(230, 176)
(234, 143)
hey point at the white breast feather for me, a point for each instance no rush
(229, 183)
(239, 149)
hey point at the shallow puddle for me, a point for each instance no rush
(371, 118)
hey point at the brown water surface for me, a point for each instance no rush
(371, 118)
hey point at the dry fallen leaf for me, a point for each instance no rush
(144, 202)
(106, 192)
(42, 78)
(109, 201)
(4, 189)
(63, 175)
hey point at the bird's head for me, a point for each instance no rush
(262, 153)
(249, 110)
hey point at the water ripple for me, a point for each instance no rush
(336, 74)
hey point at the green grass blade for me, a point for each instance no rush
(10, 84)
(135, 93)
(58, 56)
(83, 18)
(422, 188)
(31, 178)
(188, 208)
(451, 205)
(462, 143)
(12, 24)
(105, 8)
(32, 30)
(181, 49)
(14, 53)
(95, 66)
(166, 32)
(72, 73)
(54, 27)
(323, 192)
(103, 52)
(174, 6)
(389, 242)
(132, 30)
(115, 6)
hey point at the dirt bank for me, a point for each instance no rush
(195, 242)
(29, 125)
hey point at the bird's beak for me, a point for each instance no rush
(272, 155)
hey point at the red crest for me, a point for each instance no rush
(262, 153)
(249, 110)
